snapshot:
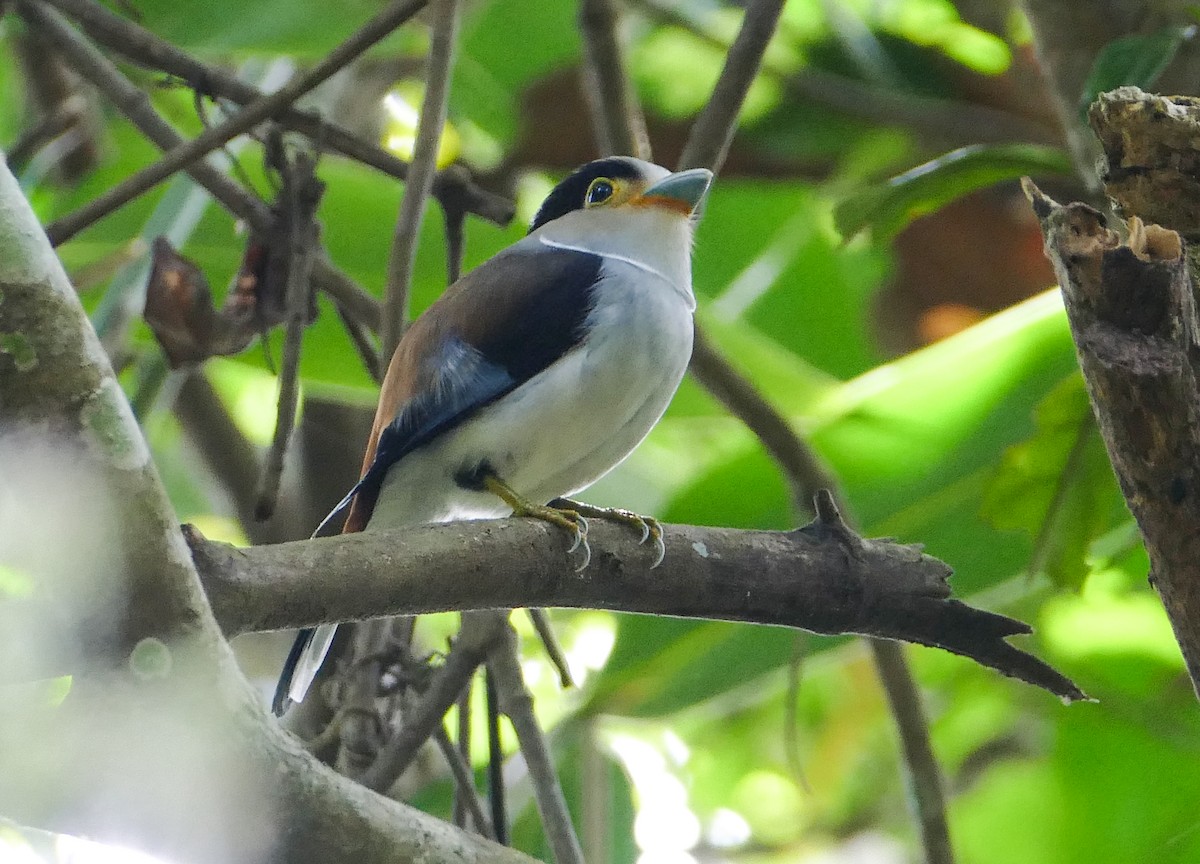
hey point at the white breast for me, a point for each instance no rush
(565, 428)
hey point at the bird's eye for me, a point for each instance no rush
(599, 192)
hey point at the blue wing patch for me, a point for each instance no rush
(460, 381)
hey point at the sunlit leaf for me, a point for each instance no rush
(886, 209)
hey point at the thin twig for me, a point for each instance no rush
(801, 466)
(149, 50)
(469, 651)
(707, 146)
(214, 137)
(495, 769)
(517, 705)
(132, 102)
(463, 744)
(57, 122)
(135, 105)
(357, 302)
(612, 99)
(454, 213)
(360, 730)
(360, 338)
(713, 131)
(402, 259)
(924, 777)
(541, 623)
(464, 781)
(300, 196)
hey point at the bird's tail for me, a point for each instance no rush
(312, 643)
(302, 664)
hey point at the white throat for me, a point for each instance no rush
(654, 241)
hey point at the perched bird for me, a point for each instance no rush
(537, 372)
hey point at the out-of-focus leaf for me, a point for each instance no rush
(765, 254)
(939, 25)
(505, 47)
(1058, 486)
(302, 28)
(1136, 60)
(886, 209)
(914, 441)
(662, 665)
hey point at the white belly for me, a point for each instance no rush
(565, 428)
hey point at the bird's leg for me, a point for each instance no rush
(568, 519)
(649, 527)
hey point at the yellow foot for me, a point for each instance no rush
(567, 518)
(647, 526)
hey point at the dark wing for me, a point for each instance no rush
(492, 331)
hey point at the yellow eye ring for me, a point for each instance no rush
(599, 191)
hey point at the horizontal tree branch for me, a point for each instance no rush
(822, 578)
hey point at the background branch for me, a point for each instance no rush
(420, 178)
(147, 49)
(212, 138)
(514, 700)
(620, 128)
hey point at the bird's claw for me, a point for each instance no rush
(654, 530)
(649, 527)
(571, 521)
(579, 527)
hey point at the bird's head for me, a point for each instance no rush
(605, 190)
(627, 209)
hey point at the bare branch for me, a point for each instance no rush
(469, 651)
(822, 578)
(134, 104)
(712, 133)
(402, 259)
(300, 195)
(954, 122)
(707, 146)
(923, 775)
(801, 466)
(147, 49)
(159, 673)
(464, 780)
(516, 703)
(179, 158)
(616, 114)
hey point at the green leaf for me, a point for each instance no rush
(915, 444)
(888, 208)
(763, 254)
(1136, 60)
(662, 665)
(1057, 486)
(306, 28)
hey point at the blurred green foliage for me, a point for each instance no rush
(980, 447)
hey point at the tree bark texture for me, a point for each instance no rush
(1132, 309)
(159, 743)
